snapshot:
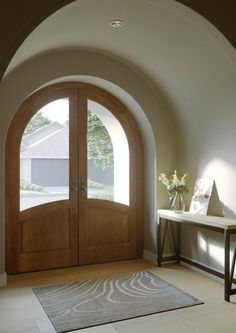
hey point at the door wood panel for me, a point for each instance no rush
(48, 231)
(108, 232)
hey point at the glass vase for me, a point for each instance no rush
(178, 205)
(171, 199)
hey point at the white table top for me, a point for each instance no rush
(213, 221)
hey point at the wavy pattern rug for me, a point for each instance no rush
(89, 303)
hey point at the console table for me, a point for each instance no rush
(220, 224)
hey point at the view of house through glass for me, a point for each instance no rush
(108, 156)
(44, 156)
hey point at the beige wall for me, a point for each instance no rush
(208, 150)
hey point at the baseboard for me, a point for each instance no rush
(149, 256)
(3, 280)
(152, 257)
(194, 265)
(203, 270)
(168, 258)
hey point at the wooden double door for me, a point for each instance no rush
(73, 180)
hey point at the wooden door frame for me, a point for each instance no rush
(12, 152)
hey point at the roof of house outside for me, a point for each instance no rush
(50, 141)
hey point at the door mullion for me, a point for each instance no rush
(82, 172)
(74, 176)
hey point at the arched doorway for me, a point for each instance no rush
(73, 180)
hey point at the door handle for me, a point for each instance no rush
(73, 187)
(82, 187)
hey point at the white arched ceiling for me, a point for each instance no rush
(155, 33)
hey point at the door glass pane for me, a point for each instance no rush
(108, 156)
(44, 156)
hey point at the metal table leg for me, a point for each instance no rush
(233, 267)
(227, 265)
(178, 246)
(159, 245)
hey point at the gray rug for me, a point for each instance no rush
(89, 303)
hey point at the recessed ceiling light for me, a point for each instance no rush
(116, 23)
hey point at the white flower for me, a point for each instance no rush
(172, 183)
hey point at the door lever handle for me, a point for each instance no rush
(82, 187)
(73, 187)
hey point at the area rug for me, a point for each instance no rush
(78, 305)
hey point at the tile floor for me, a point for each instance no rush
(20, 311)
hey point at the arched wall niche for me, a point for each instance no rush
(116, 78)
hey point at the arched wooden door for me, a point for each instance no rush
(73, 180)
